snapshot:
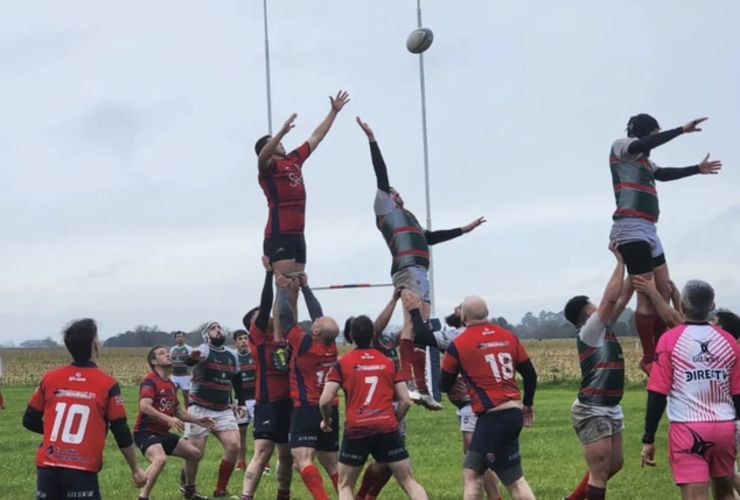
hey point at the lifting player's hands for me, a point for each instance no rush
(303, 280)
(644, 285)
(326, 426)
(366, 128)
(176, 424)
(288, 125)
(281, 281)
(266, 263)
(692, 125)
(710, 167)
(614, 248)
(477, 222)
(411, 300)
(338, 102)
(648, 455)
(139, 477)
(528, 415)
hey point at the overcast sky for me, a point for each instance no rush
(129, 182)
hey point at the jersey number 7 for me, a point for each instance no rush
(373, 383)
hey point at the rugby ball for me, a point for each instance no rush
(419, 40)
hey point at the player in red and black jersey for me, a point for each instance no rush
(312, 355)
(487, 356)
(370, 382)
(273, 405)
(160, 411)
(281, 179)
(73, 407)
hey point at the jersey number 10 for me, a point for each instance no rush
(67, 417)
(503, 368)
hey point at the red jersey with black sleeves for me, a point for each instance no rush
(486, 356)
(282, 183)
(310, 363)
(78, 401)
(368, 379)
(163, 393)
(272, 384)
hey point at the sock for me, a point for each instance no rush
(659, 328)
(283, 495)
(382, 478)
(2, 402)
(580, 492)
(224, 474)
(406, 347)
(312, 479)
(644, 324)
(367, 481)
(420, 373)
(594, 493)
(335, 481)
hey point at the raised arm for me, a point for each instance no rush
(312, 303)
(652, 141)
(264, 158)
(705, 167)
(607, 307)
(287, 317)
(381, 172)
(434, 237)
(263, 316)
(381, 322)
(337, 103)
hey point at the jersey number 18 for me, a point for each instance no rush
(503, 368)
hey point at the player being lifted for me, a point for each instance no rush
(160, 411)
(281, 179)
(409, 246)
(73, 407)
(214, 367)
(312, 355)
(597, 417)
(634, 229)
(181, 371)
(487, 357)
(370, 382)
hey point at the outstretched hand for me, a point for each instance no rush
(338, 102)
(710, 167)
(366, 128)
(692, 126)
(477, 222)
(288, 125)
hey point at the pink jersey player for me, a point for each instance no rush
(696, 367)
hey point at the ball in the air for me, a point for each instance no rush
(419, 40)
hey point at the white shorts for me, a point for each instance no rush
(467, 419)
(633, 229)
(249, 417)
(181, 382)
(225, 421)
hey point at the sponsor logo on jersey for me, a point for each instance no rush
(489, 345)
(367, 368)
(64, 393)
(720, 375)
(367, 355)
(77, 377)
(705, 356)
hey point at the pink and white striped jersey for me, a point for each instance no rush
(697, 367)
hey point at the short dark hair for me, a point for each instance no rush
(575, 309)
(729, 322)
(247, 319)
(79, 337)
(152, 355)
(261, 143)
(348, 329)
(362, 331)
(239, 333)
(641, 125)
(178, 332)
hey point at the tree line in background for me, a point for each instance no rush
(546, 325)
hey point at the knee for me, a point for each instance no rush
(617, 465)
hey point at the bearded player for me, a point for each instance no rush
(74, 407)
(181, 371)
(634, 229)
(281, 179)
(160, 411)
(312, 355)
(409, 245)
(214, 367)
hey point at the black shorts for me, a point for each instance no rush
(272, 420)
(285, 247)
(495, 443)
(385, 448)
(57, 483)
(145, 439)
(638, 257)
(305, 429)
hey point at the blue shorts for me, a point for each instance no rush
(415, 279)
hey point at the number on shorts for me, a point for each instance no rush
(505, 362)
(68, 419)
(373, 383)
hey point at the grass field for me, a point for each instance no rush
(551, 453)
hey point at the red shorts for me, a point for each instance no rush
(699, 451)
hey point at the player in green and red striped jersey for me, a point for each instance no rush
(180, 370)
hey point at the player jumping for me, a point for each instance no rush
(281, 179)
(697, 374)
(181, 371)
(312, 355)
(487, 356)
(370, 382)
(160, 411)
(634, 228)
(73, 407)
(597, 416)
(409, 246)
